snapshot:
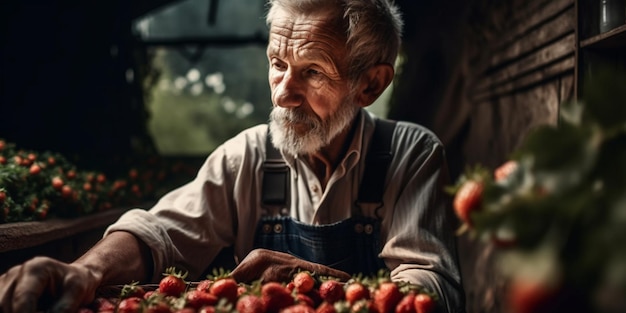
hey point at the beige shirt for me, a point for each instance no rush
(222, 205)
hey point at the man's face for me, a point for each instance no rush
(309, 87)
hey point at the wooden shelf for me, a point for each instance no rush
(613, 39)
(21, 235)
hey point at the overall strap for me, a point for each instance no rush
(275, 176)
(377, 162)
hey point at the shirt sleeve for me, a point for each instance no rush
(190, 225)
(420, 245)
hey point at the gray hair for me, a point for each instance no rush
(373, 28)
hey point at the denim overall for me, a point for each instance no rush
(351, 245)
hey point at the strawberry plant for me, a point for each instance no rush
(556, 210)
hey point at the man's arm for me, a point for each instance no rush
(118, 258)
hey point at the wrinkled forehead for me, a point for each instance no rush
(318, 29)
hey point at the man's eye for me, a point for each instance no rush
(313, 72)
(278, 66)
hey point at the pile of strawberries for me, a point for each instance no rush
(305, 293)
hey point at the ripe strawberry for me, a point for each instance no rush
(331, 291)
(159, 306)
(225, 288)
(424, 303)
(526, 296)
(35, 169)
(326, 307)
(130, 305)
(303, 282)
(406, 305)
(57, 182)
(305, 299)
(276, 296)
(356, 291)
(67, 192)
(468, 199)
(505, 170)
(386, 297)
(250, 303)
(173, 284)
(3, 196)
(197, 299)
(103, 305)
(298, 308)
(204, 285)
(132, 290)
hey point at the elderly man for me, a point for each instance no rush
(326, 186)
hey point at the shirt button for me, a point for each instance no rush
(315, 188)
(358, 228)
(267, 228)
(284, 211)
(278, 228)
(369, 229)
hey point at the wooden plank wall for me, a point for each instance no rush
(524, 76)
(529, 72)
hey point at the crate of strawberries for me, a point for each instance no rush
(306, 292)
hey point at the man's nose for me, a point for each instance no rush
(290, 91)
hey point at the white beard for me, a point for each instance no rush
(318, 133)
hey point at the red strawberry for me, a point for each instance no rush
(424, 303)
(331, 291)
(303, 282)
(173, 284)
(298, 308)
(504, 170)
(160, 306)
(225, 288)
(468, 199)
(407, 304)
(305, 299)
(276, 296)
(356, 291)
(386, 297)
(197, 299)
(57, 182)
(35, 169)
(130, 305)
(103, 305)
(326, 307)
(132, 290)
(250, 304)
(526, 296)
(204, 285)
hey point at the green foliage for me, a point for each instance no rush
(563, 210)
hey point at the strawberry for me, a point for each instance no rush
(197, 299)
(406, 305)
(468, 199)
(250, 303)
(303, 282)
(204, 285)
(104, 305)
(526, 296)
(35, 169)
(305, 299)
(159, 306)
(298, 308)
(57, 182)
(173, 284)
(386, 297)
(132, 290)
(326, 307)
(225, 288)
(423, 303)
(356, 291)
(331, 291)
(276, 296)
(505, 170)
(130, 305)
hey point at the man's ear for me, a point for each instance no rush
(373, 82)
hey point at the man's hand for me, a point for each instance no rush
(47, 283)
(268, 265)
